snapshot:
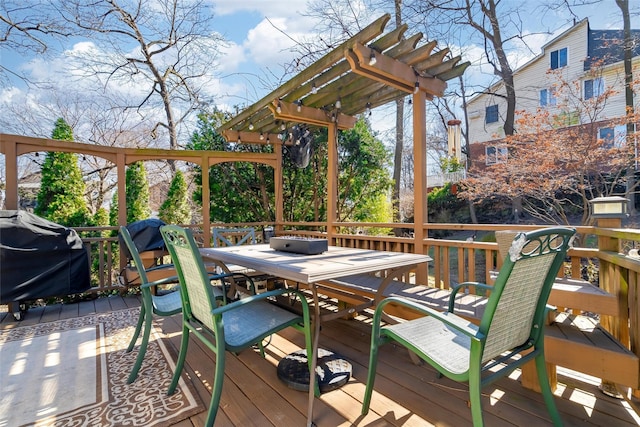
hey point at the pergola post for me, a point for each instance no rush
(420, 176)
(278, 184)
(332, 180)
(121, 170)
(206, 197)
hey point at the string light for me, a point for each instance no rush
(250, 126)
(279, 107)
(338, 103)
(239, 140)
(417, 88)
(299, 105)
(262, 136)
(283, 126)
(372, 58)
(368, 109)
(333, 117)
(314, 89)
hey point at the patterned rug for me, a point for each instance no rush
(74, 373)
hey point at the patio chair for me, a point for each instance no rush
(163, 304)
(512, 324)
(233, 327)
(233, 236)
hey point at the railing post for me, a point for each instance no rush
(11, 175)
(613, 285)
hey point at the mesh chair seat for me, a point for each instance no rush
(249, 323)
(445, 345)
(167, 304)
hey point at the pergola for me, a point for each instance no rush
(368, 70)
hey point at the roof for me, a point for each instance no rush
(608, 46)
(367, 70)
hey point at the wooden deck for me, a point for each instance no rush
(405, 394)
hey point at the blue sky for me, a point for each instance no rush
(259, 34)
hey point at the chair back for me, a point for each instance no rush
(504, 239)
(515, 312)
(125, 237)
(198, 299)
(233, 236)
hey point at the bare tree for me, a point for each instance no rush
(27, 26)
(497, 22)
(167, 51)
(628, 86)
(337, 21)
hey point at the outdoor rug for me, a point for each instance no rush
(74, 373)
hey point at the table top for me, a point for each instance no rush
(335, 262)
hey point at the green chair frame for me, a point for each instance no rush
(233, 327)
(162, 305)
(512, 323)
(166, 304)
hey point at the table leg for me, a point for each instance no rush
(314, 354)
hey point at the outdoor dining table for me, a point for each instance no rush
(313, 271)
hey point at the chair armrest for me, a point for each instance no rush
(464, 285)
(449, 318)
(219, 276)
(262, 296)
(163, 281)
(175, 279)
(159, 267)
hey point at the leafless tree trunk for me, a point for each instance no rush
(397, 158)
(628, 80)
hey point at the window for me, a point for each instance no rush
(547, 97)
(593, 88)
(559, 58)
(613, 136)
(491, 114)
(566, 118)
(495, 154)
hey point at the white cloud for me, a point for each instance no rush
(268, 44)
(231, 56)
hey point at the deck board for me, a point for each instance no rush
(405, 394)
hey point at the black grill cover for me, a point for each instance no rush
(145, 235)
(39, 258)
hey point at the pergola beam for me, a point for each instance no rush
(392, 72)
(242, 137)
(311, 116)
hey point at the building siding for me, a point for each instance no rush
(536, 75)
